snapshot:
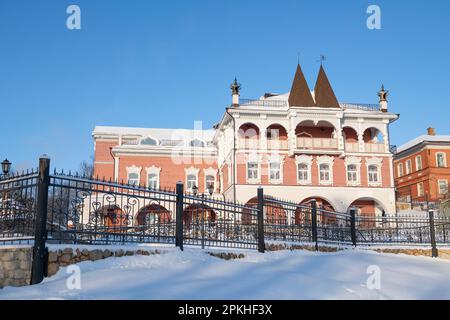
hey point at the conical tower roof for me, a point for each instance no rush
(300, 95)
(323, 92)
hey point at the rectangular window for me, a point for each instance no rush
(275, 171)
(133, 179)
(373, 175)
(408, 167)
(443, 186)
(153, 181)
(303, 173)
(418, 163)
(252, 171)
(420, 191)
(210, 182)
(191, 181)
(352, 174)
(440, 160)
(400, 169)
(325, 173)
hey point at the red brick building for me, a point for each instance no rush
(422, 168)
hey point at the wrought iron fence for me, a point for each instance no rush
(18, 194)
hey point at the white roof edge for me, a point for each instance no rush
(158, 133)
(423, 138)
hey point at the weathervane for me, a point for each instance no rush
(322, 59)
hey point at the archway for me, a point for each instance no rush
(198, 213)
(370, 211)
(326, 213)
(112, 217)
(316, 136)
(153, 214)
(248, 136)
(351, 139)
(276, 137)
(273, 212)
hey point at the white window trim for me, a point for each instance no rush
(210, 172)
(408, 169)
(439, 186)
(329, 161)
(191, 171)
(420, 193)
(153, 170)
(276, 159)
(136, 170)
(304, 160)
(445, 159)
(378, 163)
(357, 162)
(417, 163)
(400, 169)
(255, 159)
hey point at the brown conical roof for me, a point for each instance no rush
(323, 92)
(300, 95)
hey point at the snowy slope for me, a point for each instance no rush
(277, 275)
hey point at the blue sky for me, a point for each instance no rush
(168, 63)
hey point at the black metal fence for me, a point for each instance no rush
(40, 207)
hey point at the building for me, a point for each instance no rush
(299, 145)
(422, 172)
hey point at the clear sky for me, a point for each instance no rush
(166, 64)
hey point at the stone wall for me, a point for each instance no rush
(68, 256)
(15, 266)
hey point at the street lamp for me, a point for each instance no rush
(6, 166)
(211, 189)
(195, 190)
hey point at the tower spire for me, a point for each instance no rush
(323, 92)
(300, 95)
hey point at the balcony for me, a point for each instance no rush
(352, 147)
(277, 145)
(374, 147)
(317, 143)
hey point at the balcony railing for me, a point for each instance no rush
(360, 106)
(352, 147)
(374, 147)
(248, 143)
(263, 103)
(317, 143)
(277, 145)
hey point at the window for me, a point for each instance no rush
(400, 169)
(324, 172)
(210, 181)
(275, 171)
(303, 173)
(153, 182)
(149, 142)
(440, 160)
(252, 171)
(191, 181)
(420, 191)
(373, 175)
(443, 186)
(418, 163)
(408, 166)
(352, 173)
(133, 179)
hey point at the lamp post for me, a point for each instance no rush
(6, 166)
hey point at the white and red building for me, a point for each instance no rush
(299, 145)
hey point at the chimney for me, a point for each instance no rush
(383, 94)
(235, 92)
(431, 131)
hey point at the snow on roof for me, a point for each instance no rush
(157, 133)
(423, 138)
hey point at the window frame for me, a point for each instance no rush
(419, 167)
(444, 159)
(408, 167)
(439, 186)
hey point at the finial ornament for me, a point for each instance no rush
(322, 59)
(383, 94)
(235, 87)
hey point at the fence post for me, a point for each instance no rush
(261, 243)
(434, 250)
(179, 216)
(40, 232)
(353, 225)
(314, 223)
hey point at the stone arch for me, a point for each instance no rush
(370, 209)
(369, 134)
(274, 213)
(249, 134)
(112, 216)
(326, 209)
(350, 134)
(315, 129)
(198, 212)
(153, 214)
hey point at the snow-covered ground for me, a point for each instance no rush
(193, 274)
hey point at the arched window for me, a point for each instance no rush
(149, 142)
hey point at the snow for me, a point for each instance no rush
(193, 274)
(423, 138)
